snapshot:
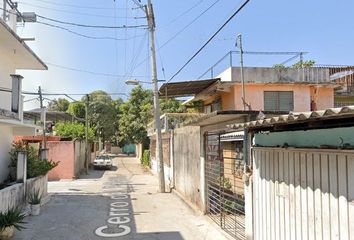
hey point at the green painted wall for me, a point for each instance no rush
(310, 138)
(129, 148)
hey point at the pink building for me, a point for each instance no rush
(266, 89)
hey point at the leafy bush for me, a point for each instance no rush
(13, 217)
(73, 130)
(35, 166)
(145, 160)
(224, 182)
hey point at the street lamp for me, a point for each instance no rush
(135, 82)
(159, 151)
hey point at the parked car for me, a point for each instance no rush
(102, 161)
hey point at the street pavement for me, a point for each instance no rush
(122, 203)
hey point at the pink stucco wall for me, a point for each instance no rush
(302, 96)
(64, 153)
(324, 97)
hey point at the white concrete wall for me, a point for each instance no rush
(5, 147)
(6, 68)
(13, 196)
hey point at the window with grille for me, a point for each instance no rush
(278, 100)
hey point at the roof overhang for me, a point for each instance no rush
(329, 118)
(17, 51)
(225, 117)
(51, 116)
(16, 123)
(186, 88)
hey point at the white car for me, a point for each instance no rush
(102, 161)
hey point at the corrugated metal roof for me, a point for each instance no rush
(186, 88)
(297, 117)
(233, 136)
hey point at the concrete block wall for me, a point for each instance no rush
(13, 196)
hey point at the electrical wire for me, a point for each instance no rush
(75, 6)
(80, 34)
(65, 11)
(183, 29)
(90, 26)
(182, 14)
(137, 54)
(89, 72)
(71, 94)
(210, 39)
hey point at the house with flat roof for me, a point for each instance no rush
(15, 54)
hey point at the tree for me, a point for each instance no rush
(73, 130)
(172, 105)
(299, 64)
(77, 109)
(135, 115)
(102, 114)
(304, 64)
(59, 105)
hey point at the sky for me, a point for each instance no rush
(324, 29)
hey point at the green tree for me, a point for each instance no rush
(77, 109)
(172, 105)
(59, 105)
(135, 115)
(102, 114)
(304, 64)
(73, 130)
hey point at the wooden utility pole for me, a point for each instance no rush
(86, 132)
(239, 38)
(43, 116)
(159, 152)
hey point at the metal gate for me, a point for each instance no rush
(224, 185)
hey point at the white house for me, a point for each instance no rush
(14, 54)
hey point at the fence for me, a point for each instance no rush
(13, 196)
(303, 194)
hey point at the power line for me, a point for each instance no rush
(2, 89)
(87, 71)
(210, 39)
(183, 13)
(75, 6)
(90, 26)
(182, 30)
(80, 34)
(65, 11)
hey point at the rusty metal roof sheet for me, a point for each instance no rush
(186, 88)
(295, 117)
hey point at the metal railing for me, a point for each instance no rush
(343, 75)
(9, 13)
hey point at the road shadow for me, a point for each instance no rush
(74, 216)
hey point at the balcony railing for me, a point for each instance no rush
(171, 121)
(9, 13)
(342, 75)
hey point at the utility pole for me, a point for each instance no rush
(43, 116)
(86, 132)
(159, 156)
(239, 40)
(4, 11)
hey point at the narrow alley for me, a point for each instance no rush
(120, 204)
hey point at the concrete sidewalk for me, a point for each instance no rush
(118, 204)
